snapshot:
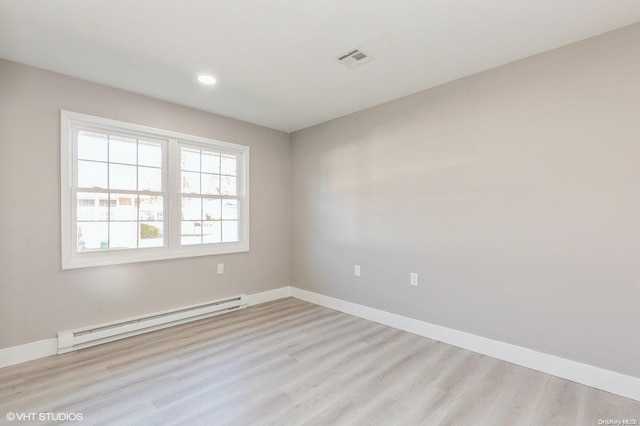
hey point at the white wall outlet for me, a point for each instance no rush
(413, 279)
(356, 270)
(220, 268)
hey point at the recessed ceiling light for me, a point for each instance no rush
(206, 79)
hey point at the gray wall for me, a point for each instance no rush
(514, 194)
(37, 299)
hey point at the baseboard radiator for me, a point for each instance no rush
(95, 335)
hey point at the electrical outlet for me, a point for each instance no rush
(220, 268)
(413, 279)
(356, 270)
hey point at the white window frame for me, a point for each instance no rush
(172, 249)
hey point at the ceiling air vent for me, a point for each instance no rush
(354, 58)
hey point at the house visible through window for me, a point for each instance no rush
(132, 193)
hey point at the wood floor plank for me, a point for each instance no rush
(289, 362)
(519, 402)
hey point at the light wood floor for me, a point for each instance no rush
(289, 362)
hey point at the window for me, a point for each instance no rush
(209, 196)
(132, 193)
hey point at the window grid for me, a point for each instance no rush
(110, 192)
(218, 224)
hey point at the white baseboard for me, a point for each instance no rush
(269, 295)
(578, 372)
(28, 352)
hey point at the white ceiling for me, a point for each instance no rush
(274, 59)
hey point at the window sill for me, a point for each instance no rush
(90, 260)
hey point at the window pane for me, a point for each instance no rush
(228, 165)
(151, 234)
(151, 208)
(210, 184)
(149, 153)
(228, 185)
(122, 150)
(149, 179)
(92, 146)
(122, 177)
(210, 162)
(230, 209)
(105, 202)
(229, 230)
(93, 236)
(89, 207)
(191, 208)
(124, 207)
(191, 233)
(92, 174)
(123, 235)
(190, 183)
(211, 232)
(211, 208)
(190, 159)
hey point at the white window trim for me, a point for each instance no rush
(172, 249)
